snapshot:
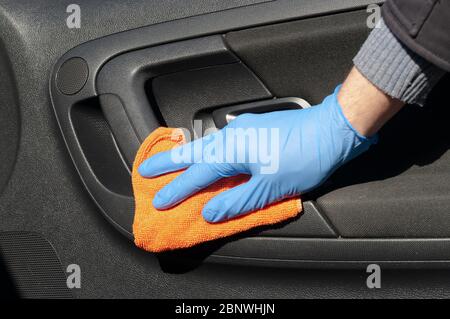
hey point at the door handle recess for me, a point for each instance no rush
(121, 84)
(130, 116)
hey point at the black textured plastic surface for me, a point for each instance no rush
(33, 265)
(99, 147)
(361, 251)
(126, 75)
(306, 58)
(72, 76)
(116, 117)
(181, 95)
(310, 224)
(106, 164)
(9, 119)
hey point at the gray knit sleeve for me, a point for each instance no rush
(394, 68)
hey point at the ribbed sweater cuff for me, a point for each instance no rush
(395, 69)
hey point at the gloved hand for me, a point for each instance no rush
(287, 153)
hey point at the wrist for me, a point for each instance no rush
(364, 106)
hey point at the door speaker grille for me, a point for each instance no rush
(32, 265)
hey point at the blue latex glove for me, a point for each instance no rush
(311, 144)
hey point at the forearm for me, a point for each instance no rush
(386, 76)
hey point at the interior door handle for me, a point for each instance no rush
(225, 115)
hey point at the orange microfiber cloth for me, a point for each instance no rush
(183, 226)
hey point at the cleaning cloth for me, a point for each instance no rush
(183, 226)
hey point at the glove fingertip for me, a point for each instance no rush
(211, 216)
(143, 169)
(159, 202)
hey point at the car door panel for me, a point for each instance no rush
(274, 49)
